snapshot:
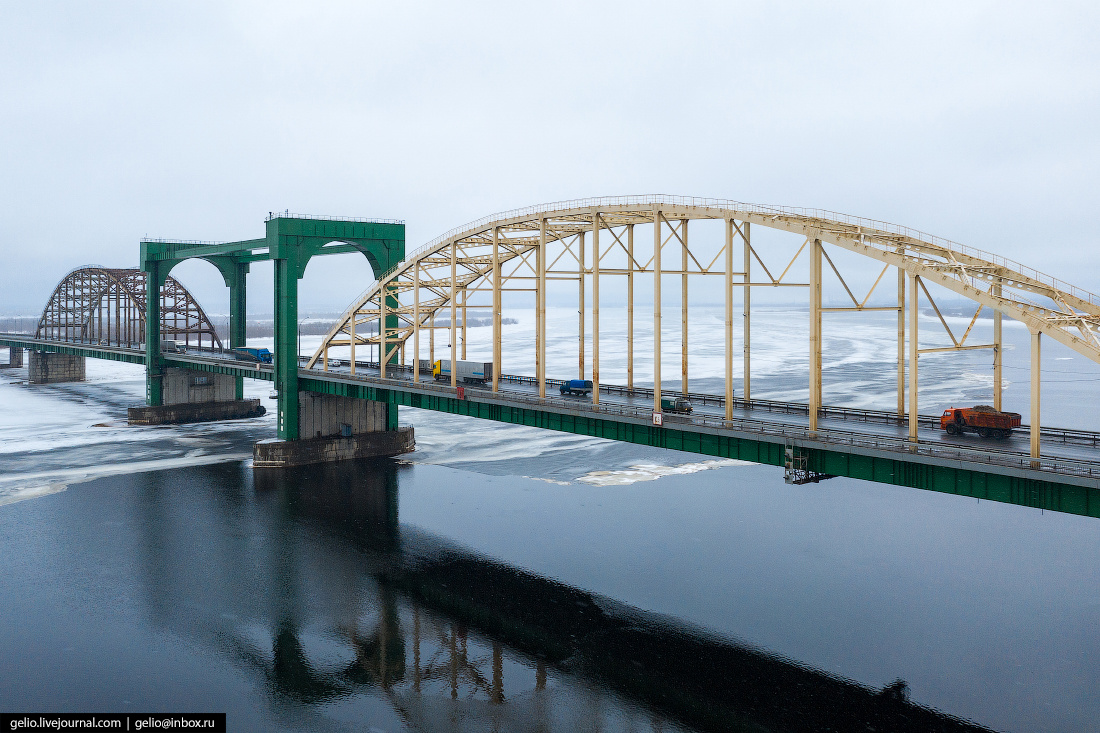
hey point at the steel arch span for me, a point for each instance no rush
(106, 306)
(588, 240)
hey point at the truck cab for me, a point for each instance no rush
(951, 415)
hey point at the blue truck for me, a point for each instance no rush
(247, 353)
(576, 386)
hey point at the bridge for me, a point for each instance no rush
(370, 363)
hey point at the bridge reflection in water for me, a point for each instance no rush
(323, 597)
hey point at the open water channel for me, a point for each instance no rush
(505, 578)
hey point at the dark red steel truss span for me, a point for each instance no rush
(101, 305)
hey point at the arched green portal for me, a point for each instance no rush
(290, 242)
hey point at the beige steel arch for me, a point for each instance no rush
(533, 245)
(102, 305)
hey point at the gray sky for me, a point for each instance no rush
(973, 121)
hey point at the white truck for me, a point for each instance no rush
(468, 372)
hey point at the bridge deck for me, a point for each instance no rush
(859, 443)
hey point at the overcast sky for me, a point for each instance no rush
(973, 121)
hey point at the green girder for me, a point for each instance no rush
(291, 242)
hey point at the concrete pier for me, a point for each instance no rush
(194, 396)
(15, 358)
(49, 368)
(194, 412)
(342, 428)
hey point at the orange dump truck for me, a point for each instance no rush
(982, 419)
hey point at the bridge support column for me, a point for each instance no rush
(497, 351)
(998, 358)
(901, 343)
(815, 333)
(194, 396)
(286, 344)
(238, 316)
(339, 428)
(657, 242)
(914, 412)
(49, 368)
(580, 308)
(15, 358)
(1036, 382)
(416, 323)
(630, 306)
(155, 274)
(383, 332)
(540, 311)
(746, 386)
(727, 294)
(596, 309)
(683, 307)
(291, 242)
(454, 317)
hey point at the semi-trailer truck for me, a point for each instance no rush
(260, 355)
(476, 372)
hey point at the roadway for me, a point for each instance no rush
(1070, 453)
(1077, 445)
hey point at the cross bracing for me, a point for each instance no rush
(588, 240)
(102, 305)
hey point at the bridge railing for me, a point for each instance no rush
(784, 431)
(780, 431)
(1069, 436)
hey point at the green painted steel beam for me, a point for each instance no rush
(234, 369)
(896, 470)
(154, 362)
(292, 242)
(153, 250)
(238, 316)
(125, 356)
(286, 344)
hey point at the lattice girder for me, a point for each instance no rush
(1072, 317)
(107, 306)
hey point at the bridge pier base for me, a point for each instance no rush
(341, 428)
(48, 368)
(15, 358)
(193, 396)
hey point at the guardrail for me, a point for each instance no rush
(1067, 436)
(780, 431)
(831, 436)
(287, 214)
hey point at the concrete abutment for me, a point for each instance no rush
(338, 429)
(46, 367)
(15, 358)
(194, 396)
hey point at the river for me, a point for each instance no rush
(506, 578)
